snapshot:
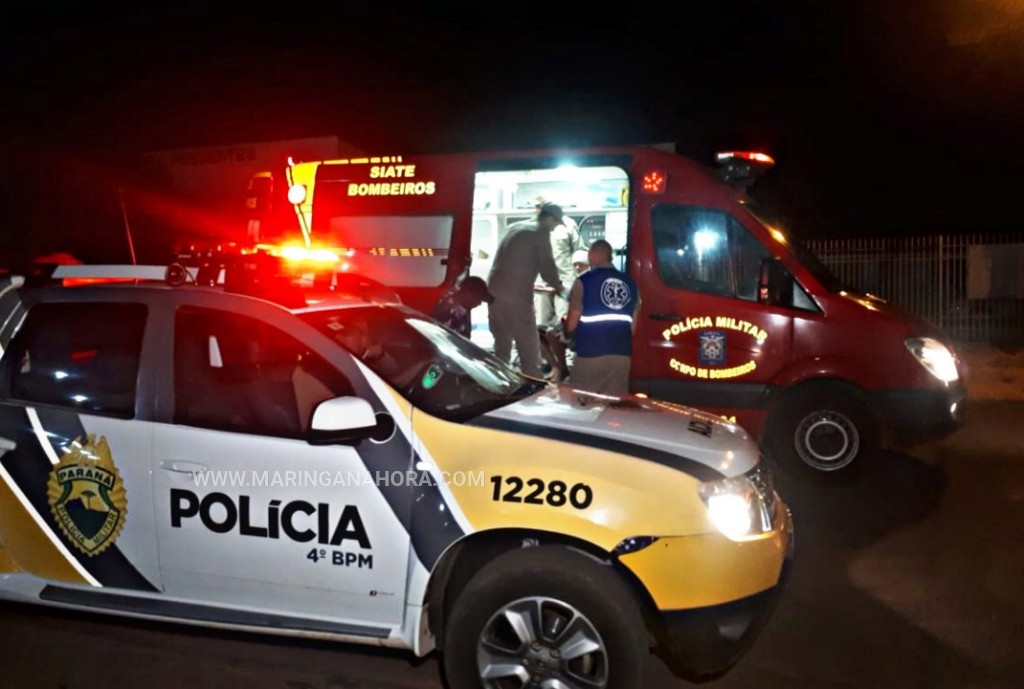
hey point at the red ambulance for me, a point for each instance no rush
(737, 316)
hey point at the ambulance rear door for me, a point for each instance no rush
(402, 221)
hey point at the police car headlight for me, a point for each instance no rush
(935, 357)
(741, 506)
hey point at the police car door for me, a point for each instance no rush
(75, 493)
(250, 515)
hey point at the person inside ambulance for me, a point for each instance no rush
(566, 240)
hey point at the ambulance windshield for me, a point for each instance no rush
(807, 258)
(437, 370)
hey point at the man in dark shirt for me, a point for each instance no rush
(453, 308)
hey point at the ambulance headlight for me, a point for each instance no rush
(935, 357)
(739, 506)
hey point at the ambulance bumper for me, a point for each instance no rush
(915, 416)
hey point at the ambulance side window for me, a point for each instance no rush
(706, 251)
(236, 373)
(84, 356)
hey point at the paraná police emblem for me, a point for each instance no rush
(87, 495)
(615, 293)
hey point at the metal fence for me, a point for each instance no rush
(939, 278)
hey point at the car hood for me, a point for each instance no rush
(911, 324)
(691, 440)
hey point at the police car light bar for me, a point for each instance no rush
(109, 272)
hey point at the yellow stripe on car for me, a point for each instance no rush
(709, 569)
(37, 553)
(632, 497)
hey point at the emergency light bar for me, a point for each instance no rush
(111, 272)
(276, 273)
(742, 168)
(247, 270)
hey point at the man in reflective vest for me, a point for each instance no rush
(602, 307)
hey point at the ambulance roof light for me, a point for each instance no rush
(653, 182)
(742, 168)
(752, 156)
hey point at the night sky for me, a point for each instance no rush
(885, 117)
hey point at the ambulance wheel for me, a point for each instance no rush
(825, 429)
(545, 616)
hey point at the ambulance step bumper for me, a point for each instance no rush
(920, 415)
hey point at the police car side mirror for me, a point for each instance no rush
(775, 284)
(342, 420)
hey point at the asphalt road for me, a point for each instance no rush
(912, 576)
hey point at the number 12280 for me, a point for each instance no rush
(539, 492)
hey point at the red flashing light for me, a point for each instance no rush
(752, 156)
(301, 253)
(653, 182)
(296, 194)
(85, 282)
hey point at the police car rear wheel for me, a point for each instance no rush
(545, 616)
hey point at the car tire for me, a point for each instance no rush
(826, 429)
(500, 627)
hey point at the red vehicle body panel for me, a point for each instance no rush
(846, 337)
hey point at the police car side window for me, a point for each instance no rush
(237, 373)
(84, 356)
(706, 251)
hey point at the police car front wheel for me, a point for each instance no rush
(545, 616)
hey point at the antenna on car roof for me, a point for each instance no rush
(127, 227)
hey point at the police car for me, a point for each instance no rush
(209, 450)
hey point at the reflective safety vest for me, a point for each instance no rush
(606, 325)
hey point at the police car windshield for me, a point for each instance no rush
(437, 370)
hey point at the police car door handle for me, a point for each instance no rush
(6, 446)
(183, 467)
(665, 317)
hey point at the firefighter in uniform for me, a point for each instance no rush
(602, 307)
(523, 254)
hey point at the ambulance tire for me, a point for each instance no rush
(825, 431)
(562, 582)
